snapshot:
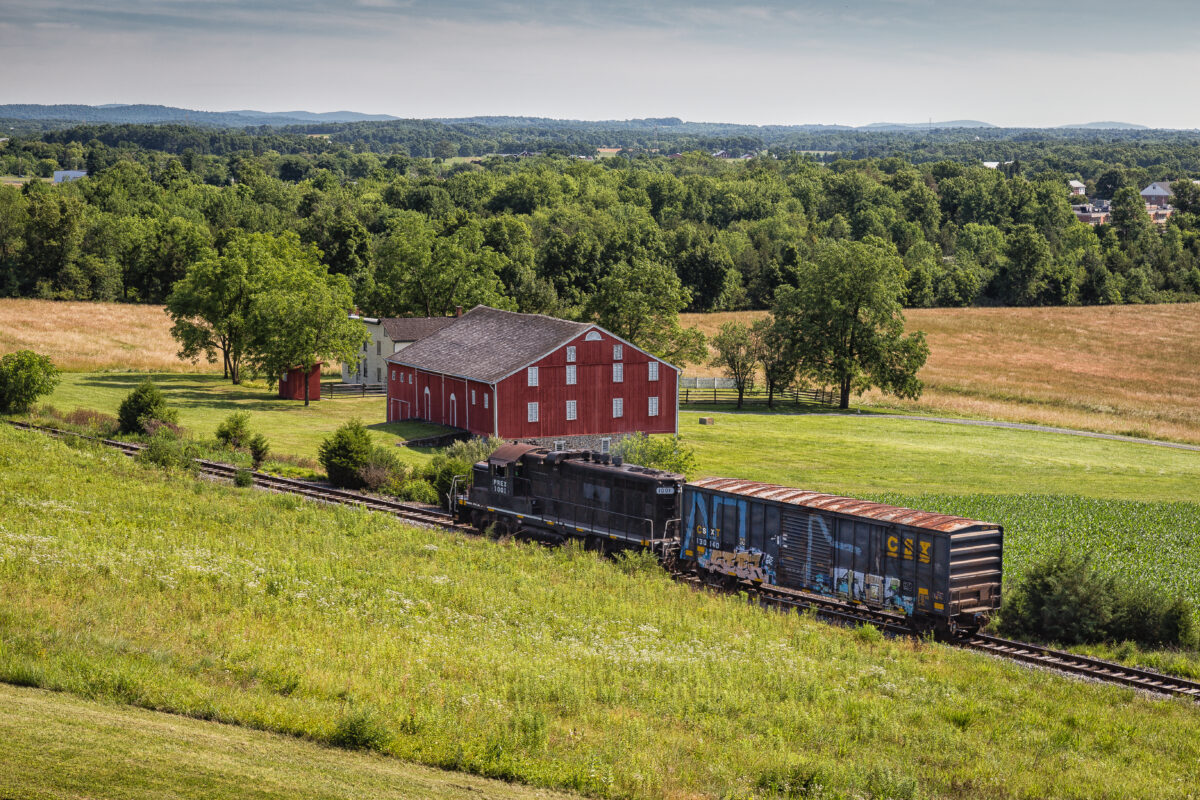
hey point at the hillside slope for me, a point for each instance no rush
(547, 666)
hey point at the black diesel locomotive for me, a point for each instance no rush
(937, 570)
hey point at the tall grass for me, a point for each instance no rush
(549, 666)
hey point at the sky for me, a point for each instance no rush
(1008, 62)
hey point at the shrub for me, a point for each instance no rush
(234, 430)
(259, 449)
(243, 478)
(345, 453)
(1064, 599)
(360, 730)
(442, 471)
(473, 450)
(144, 404)
(168, 451)
(381, 468)
(659, 452)
(414, 490)
(24, 377)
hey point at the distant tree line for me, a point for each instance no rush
(414, 235)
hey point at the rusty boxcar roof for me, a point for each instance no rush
(944, 523)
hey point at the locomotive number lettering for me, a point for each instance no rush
(665, 490)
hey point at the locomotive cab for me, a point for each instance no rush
(574, 494)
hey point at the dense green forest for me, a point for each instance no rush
(542, 233)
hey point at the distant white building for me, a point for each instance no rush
(65, 175)
(1077, 188)
(388, 335)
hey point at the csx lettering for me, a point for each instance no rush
(925, 552)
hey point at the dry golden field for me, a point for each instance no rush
(84, 337)
(1123, 369)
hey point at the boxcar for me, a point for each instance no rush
(940, 571)
(574, 494)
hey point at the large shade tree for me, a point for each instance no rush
(210, 305)
(845, 323)
(300, 315)
(640, 301)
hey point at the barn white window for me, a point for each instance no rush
(593, 336)
(605, 445)
(531, 376)
(393, 374)
(560, 445)
(618, 407)
(570, 409)
(571, 353)
(618, 352)
(653, 407)
(653, 370)
(531, 409)
(618, 372)
(485, 399)
(570, 374)
(410, 376)
(472, 397)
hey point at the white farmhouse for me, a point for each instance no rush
(388, 335)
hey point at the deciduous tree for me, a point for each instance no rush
(844, 320)
(736, 356)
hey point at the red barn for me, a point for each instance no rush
(291, 384)
(532, 377)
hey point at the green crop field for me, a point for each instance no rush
(54, 745)
(547, 666)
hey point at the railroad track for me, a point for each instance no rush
(1086, 666)
(771, 596)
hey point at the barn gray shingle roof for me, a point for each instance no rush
(486, 344)
(413, 329)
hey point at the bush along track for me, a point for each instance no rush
(768, 597)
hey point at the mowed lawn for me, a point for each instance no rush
(1118, 369)
(203, 401)
(549, 666)
(55, 745)
(866, 454)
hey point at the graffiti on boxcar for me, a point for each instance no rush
(868, 588)
(749, 565)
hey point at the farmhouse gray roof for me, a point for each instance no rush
(487, 344)
(413, 329)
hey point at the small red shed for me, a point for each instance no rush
(533, 377)
(291, 384)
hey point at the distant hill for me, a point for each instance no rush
(1107, 126)
(910, 126)
(116, 114)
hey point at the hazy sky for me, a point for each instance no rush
(1010, 62)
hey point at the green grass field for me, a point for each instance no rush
(548, 666)
(54, 746)
(864, 454)
(853, 455)
(204, 400)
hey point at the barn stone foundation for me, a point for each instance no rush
(600, 443)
